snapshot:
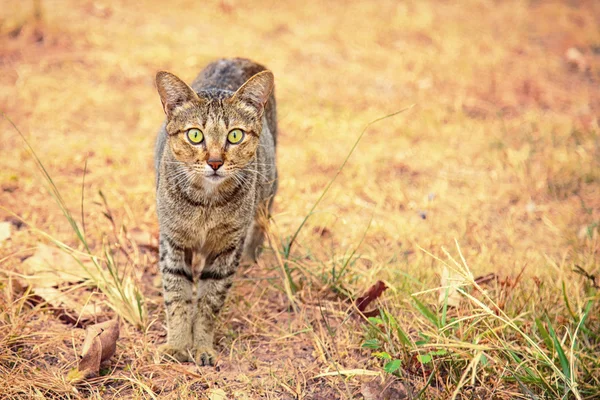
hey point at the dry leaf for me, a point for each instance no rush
(50, 266)
(99, 346)
(450, 282)
(4, 231)
(373, 293)
(78, 303)
(49, 269)
(216, 394)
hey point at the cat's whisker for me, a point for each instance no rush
(238, 179)
(180, 176)
(239, 176)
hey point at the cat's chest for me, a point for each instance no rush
(199, 227)
(192, 226)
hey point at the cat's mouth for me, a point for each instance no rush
(214, 178)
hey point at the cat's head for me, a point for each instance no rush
(213, 134)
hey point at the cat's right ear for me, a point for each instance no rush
(254, 94)
(173, 91)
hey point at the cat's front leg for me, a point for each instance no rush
(176, 267)
(214, 283)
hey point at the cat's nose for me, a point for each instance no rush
(215, 163)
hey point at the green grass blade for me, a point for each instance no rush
(562, 358)
(445, 307)
(544, 333)
(567, 304)
(426, 312)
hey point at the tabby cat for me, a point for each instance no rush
(216, 178)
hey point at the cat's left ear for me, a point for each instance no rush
(173, 91)
(254, 94)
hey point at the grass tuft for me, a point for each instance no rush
(117, 284)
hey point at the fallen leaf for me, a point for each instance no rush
(450, 282)
(216, 394)
(373, 293)
(70, 301)
(4, 231)
(99, 346)
(50, 269)
(49, 266)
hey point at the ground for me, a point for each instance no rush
(492, 172)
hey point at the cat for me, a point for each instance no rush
(215, 182)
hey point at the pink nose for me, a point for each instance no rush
(215, 163)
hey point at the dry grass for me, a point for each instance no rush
(497, 162)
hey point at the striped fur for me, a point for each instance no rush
(213, 223)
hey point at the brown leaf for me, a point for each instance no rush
(50, 269)
(99, 345)
(83, 305)
(373, 293)
(50, 266)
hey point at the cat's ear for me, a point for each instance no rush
(253, 94)
(173, 91)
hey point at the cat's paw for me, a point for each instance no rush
(171, 352)
(204, 355)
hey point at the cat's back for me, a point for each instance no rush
(226, 74)
(231, 73)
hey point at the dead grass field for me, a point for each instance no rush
(498, 161)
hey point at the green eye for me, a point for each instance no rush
(195, 135)
(235, 136)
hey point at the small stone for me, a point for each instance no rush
(576, 59)
(4, 231)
